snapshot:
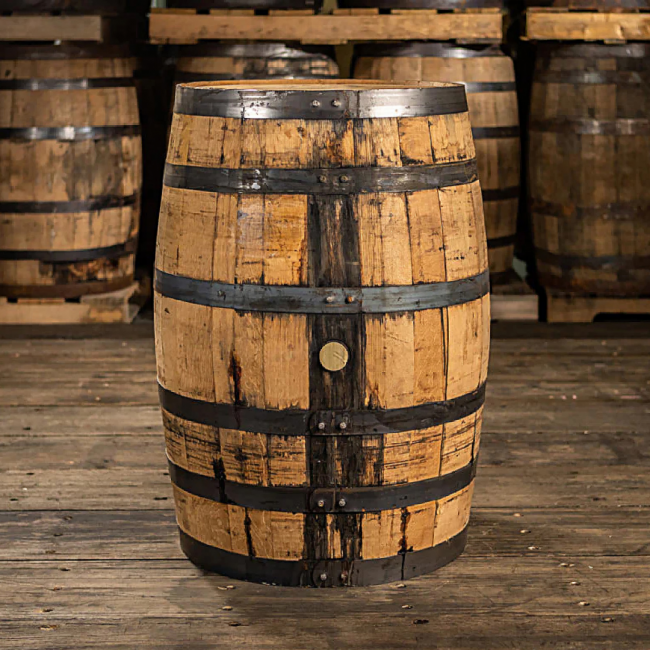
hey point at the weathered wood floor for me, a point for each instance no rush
(559, 548)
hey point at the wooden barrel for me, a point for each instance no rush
(322, 319)
(489, 78)
(70, 170)
(589, 168)
(219, 61)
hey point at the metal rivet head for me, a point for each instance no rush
(321, 503)
(344, 178)
(321, 426)
(336, 103)
(342, 503)
(322, 179)
(343, 425)
(349, 299)
(344, 576)
(315, 103)
(323, 577)
(329, 299)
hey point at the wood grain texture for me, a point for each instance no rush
(167, 27)
(88, 576)
(588, 220)
(274, 361)
(54, 170)
(497, 157)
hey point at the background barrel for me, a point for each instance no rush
(489, 77)
(219, 61)
(70, 170)
(322, 318)
(589, 168)
(203, 5)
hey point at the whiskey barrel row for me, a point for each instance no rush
(489, 80)
(218, 61)
(70, 184)
(206, 5)
(321, 341)
(590, 231)
(421, 4)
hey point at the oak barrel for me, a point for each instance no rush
(489, 78)
(322, 317)
(70, 170)
(263, 5)
(220, 61)
(589, 168)
(453, 5)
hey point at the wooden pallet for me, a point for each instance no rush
(514, 301)
(182, 26)
(565, 308)
(561, 24)
(47, 27)
(111, 307)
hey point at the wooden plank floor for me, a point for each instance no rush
(558, 547)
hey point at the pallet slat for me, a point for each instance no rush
(586, 26)
(184, 28)
(66, 28)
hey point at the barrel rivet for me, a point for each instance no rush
(322, 178)
(336, 103)
(321, 426)
(315, 103)
(344, 179)
(342, 503)
(349, 299)
(344, 576)
(323, 577)
(321, 503)
(329, 299)
(343, 425)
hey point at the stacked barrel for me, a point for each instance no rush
(70, 169)
(589, 168)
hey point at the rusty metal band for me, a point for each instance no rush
(306, 499)
(593, 50)
(70, 133)
(300, 422)
(321, 300)
(597, 263)
(67, 207)
(183, 76)
(495, 132)
(207, 101)
(621, 211)
(345, 180)
(501, 242)
(420, 49)
(588, 126)
(70, 290)
(323, 573)
(617, 77)
(67, 257)
(501, 193)
(489, 86)
(258, 50)
(66, 84)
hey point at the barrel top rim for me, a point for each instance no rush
(314, 85)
